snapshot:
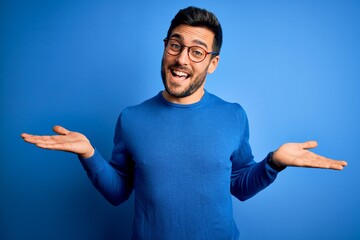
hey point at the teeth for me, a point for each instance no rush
(180, 74)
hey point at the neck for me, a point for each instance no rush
(193, 98)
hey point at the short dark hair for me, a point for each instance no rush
(198, 17)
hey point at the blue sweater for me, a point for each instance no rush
(183, 162)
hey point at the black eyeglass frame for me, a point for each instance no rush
(183, 46)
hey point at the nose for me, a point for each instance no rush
(183, 57)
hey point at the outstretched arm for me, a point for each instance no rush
(67, 141)
(298, 155)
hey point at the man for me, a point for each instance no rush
(184, 151)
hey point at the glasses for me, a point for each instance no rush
(195, 53)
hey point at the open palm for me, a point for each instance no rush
(298, 155)
(68, 141)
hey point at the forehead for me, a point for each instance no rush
(190, 35)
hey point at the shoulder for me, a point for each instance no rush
(226, 107)
(147, 105)
(140, 113)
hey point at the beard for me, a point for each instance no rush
(173, 89)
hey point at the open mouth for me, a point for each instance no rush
(179, 74)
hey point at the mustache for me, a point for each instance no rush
(179, 67)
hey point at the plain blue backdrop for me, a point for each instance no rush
(293, 65)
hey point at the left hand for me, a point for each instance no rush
(66, 140)
(298, 155)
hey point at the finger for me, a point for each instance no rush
(61, 130)
(27, 137)
(309, 144)
(331, 163)
(317, 161)
(55, 146)
(35, 139)
(24, 135)
(341, 164)
(338, 165)
(344, 163)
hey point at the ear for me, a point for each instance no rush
(213, 64)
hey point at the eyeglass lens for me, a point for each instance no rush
(195, 53)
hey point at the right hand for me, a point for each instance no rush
(67, 141)
(298, 155)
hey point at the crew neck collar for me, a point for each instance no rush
(178, 105)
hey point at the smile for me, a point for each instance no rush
(179, 74)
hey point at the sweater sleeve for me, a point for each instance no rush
(249, 177)
(114, 179)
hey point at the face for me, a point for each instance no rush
(182, 77)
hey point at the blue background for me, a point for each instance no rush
(293, 65)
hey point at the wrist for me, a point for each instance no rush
(88, 154)
(273, 163)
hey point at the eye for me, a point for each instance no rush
(175, 46)
(197, 52)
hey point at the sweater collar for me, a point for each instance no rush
(184, 106)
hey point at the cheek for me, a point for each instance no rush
(167, 59)
(201, 69)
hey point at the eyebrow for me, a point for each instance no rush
(196, 41)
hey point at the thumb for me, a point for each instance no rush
(61, 130)
(309, 144)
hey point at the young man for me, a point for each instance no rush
(184, 151)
